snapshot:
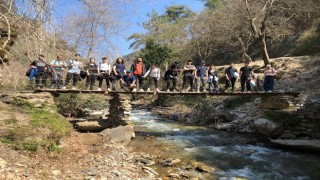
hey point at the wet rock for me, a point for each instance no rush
(232, 178)
(119, 136)
(268, 128)
(313, 145)
(170, 162)
(204, 168)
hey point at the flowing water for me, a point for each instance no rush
(229, 152)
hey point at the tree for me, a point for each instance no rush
(169, 28)
(155, 53)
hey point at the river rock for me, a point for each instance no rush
(170, 162)
(150, 170)
(3, 163)
(268, 128)
(313, 145)
(120, 135)
(147, 162)
(204, 168)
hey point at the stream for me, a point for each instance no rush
(231, 153)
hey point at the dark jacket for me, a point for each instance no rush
(133, 68)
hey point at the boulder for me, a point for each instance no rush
(277, 102)
(313, 145)
(119, 136)
(268, 128)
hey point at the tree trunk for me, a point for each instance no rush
(263, 48)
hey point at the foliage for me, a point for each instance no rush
(57, 124)
(234, 102)
(155, 54)
(168, 29)
(309, 42)
(76, 104)
(213, 4)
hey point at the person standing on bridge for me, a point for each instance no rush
(118, 71)
(128, 81)
(269, 74)
(138, 69)
(231, 75)
(213, 79)
(92, 72)
(41, 66)
(245, 77)
(74, 66)
(188, 74)
(104, 73)
(172, 75)
(58, 65)
(202, 76)
(154, 75)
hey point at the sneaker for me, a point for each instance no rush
(109, 89)
(204, 91)
(134, 90)
(74, 88)
(63, 87)
(175, 90)
(157, 90)
(141, 90)
(198, 91)
(99, 89)
(168, 90)
(147, 90)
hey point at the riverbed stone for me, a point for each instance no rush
(119, 136)
(3, 163)
(313, 145)
(267, 127)
(204, 168)
(170, 162)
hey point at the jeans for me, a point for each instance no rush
(268, 83)
(155, 80)
(57, 79)
(41, 75)
(140, 79)
(201, 83)
(213, 85)
(233, 81)
(174, 82)
(190, 78)
(75, 78)
(91, 80)
(245, 82)
(115, 80)
(108, 79)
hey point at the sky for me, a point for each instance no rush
(135, 14)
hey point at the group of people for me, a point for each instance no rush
(194, 78)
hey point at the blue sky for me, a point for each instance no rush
(135, 14)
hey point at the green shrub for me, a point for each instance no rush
(77, 104)
(234, 102)
(57, 124)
